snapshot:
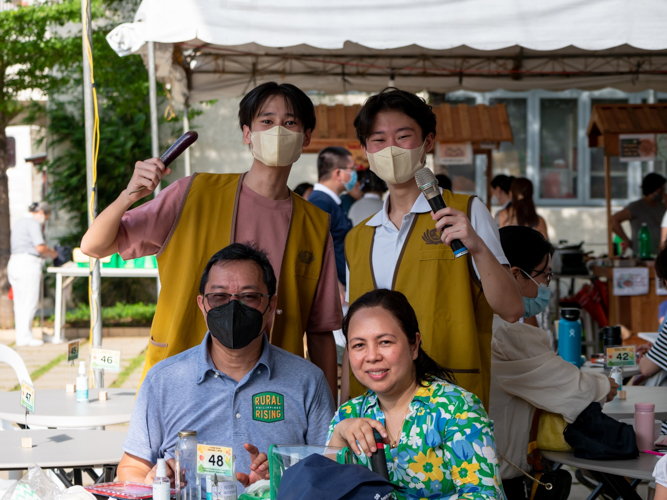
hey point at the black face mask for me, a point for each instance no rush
(235, 325)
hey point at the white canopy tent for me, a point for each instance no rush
(210, 49)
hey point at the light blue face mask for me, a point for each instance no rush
(534, 306)
(349, 185)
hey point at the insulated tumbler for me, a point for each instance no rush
(644, 425)
(569, 336)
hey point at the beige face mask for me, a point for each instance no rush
(276, 147)
(396, 165)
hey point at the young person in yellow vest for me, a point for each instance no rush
(406, 247)
(196, 216)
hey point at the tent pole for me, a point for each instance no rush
(607, 188)
(152, 97)
(91, 182)
(186, 128)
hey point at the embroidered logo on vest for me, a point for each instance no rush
(268, 407)
(306, 257)
(432, 237)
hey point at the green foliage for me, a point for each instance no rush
(54, 66)
(118, 315)
(32, 55)
(122, 93)
(124, 113)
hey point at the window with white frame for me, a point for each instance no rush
(558, 167)
(551, 147)
(510, 158)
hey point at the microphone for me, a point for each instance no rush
(428, 185)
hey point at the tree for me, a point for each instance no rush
(33, 55)
(124, 111)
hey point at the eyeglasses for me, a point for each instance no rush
(250, 299)
(547, 274)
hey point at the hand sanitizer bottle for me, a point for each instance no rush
(617, 374)
(82, 384)
(161, 482)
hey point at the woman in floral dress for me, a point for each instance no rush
(439, 437)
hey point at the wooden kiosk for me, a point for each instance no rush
(484, 127)
(608, 122)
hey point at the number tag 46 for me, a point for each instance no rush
(105, 359)
(214, 460)
(621, 356)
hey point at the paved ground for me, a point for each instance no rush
(49, 369)
(53, 371)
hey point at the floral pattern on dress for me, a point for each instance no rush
(446, 449)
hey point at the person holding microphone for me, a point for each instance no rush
(196, 216)
(24, 269)
(409, 246)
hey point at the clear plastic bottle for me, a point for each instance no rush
(82, 384)
(187, 484)
(226, 485)
(617, 374)
(161, 482)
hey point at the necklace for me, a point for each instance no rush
(393, 442)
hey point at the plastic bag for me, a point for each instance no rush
(35, 485)
(259, 489)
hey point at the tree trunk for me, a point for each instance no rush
(6, 305)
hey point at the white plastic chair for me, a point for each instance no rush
(13, 359)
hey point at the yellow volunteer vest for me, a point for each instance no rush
(454, 317)
(207, 224)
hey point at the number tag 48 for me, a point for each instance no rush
(621, 356)
(214, 460)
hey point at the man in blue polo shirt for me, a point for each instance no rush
(235, 388)
(336, 173)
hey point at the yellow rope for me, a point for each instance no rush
(94, 306)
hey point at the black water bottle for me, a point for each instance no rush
(378, 459)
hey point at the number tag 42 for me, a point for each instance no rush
(214, 460)
(621, 356)
(105, 359)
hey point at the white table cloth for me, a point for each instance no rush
(57, 408)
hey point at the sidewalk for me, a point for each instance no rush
(48, 366)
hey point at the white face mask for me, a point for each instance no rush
(277, 147)
(396, 165)
(41, 218)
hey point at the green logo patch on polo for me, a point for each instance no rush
(268, 407)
